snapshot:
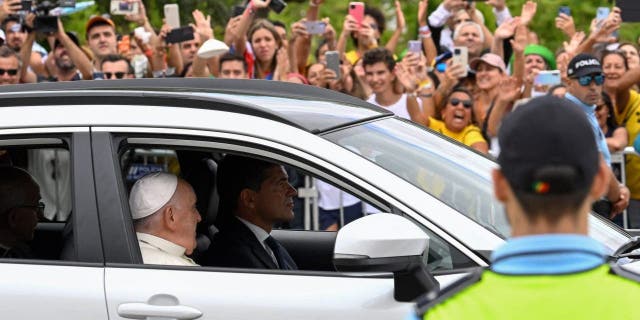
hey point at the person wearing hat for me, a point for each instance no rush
(490, 71)
(67, 61)
(584, 88)
(101, 38)
(163, 208)
(550, 172)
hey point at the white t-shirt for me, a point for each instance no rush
(399, 108)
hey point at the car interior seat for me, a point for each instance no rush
(199, 169)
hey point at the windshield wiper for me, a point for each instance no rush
(624, 250)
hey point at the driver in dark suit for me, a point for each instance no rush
(254, 195)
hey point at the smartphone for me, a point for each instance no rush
(315, 27)
(415, 46)
(544, 81)
(172, 15)
(356, 10)
(119, 7)
(564, 9)
(180, 35)
(461, 56)
(277, 5)
(602, 13)
(333, 61)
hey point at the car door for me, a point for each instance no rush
(64, 277)
(136, 290)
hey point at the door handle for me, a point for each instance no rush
(145, 310)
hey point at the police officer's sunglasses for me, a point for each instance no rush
(586, 80)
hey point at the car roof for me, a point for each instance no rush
(312, 109)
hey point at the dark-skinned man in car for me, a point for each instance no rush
(550, 173)
(254, 195)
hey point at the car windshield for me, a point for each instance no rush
(459, 177)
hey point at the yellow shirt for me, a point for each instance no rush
(469, 135)
(630, 119)
(352, 56)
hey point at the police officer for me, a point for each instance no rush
(550, 173)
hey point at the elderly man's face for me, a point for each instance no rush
(186, 216)
(470, 37)
(9, 69)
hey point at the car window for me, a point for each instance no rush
(458, 177)
(37, 228)
(319, 206)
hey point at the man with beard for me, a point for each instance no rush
(70, 63)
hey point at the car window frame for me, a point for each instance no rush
(88, 247)
(273, 150)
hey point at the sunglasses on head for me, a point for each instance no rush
(465, 103)
(11, 72)
(586, 80)
(119, 75)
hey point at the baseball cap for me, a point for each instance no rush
(150, 193)
(582, 65)
(491, 59)
(547, 146)
(71, 35)
(98, 20)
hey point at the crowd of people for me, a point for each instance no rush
(461, 79)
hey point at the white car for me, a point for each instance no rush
(86, 142)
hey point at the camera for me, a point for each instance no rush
(44, 22)
(277, 5)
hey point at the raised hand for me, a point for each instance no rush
(507, 29)
(259, 4)
(202, 25)
(299, 29)
(509, 90)
(528, 12)
(571, 47)
(565, 24)
(401, 23)
(139, 18)
(519, 42)
(329, 32)
(498, 4)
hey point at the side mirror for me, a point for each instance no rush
(386, 243)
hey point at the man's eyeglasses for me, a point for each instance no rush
(586, 80)
(118, 75)
(11, 72)
(465, 103)
(38, 208)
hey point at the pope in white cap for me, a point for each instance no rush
(163, 208)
